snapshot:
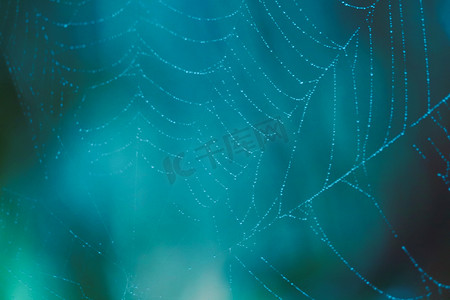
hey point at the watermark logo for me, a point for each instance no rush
(245, 140)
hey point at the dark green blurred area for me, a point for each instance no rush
(87, 212)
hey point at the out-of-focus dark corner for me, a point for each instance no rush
(15, 138)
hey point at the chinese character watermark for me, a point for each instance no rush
(238, 141)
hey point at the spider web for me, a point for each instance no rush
(221, 148)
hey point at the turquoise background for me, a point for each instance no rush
(95, 95)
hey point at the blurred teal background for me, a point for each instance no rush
(100, 98)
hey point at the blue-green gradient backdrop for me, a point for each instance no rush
(98, 100)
